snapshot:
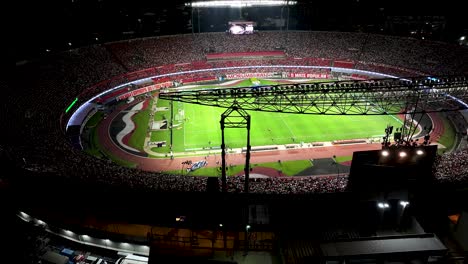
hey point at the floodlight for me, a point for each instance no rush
(247, 227)
(23, 214)
(383, 205)
(404, 203)
(385, 153)
(220, 225)
(419, 152)
(240, 3)
(402, 154)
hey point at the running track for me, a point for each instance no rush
(153, 164)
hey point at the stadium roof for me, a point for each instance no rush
(427, 244)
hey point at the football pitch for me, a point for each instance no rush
(197, 127)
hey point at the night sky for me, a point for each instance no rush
(41, 25)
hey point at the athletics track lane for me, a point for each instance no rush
(152, 164)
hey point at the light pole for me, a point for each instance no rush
(281, 18)
(247, 228)
(193, 29)
(382, 206)
(404, 205)
(198, 18)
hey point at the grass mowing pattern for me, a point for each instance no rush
(201, 128)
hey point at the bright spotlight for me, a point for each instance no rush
(462, 38)
(402, 154)
(23, 214)
(404, 203)
(180, 218)
(384, 153)
(240, 3)
(220, 225)
(383, 205)
(419, 152)
(247, 227)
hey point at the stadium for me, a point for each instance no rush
(90, 125)
(343, 55)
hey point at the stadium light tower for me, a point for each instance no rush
(236, 4)
(240, 3)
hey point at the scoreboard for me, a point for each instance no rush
(241, 27)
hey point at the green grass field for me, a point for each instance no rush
(199, 127)
(287, 167)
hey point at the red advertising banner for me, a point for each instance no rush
(144, 90)
(199, 79)
(250, 75)
(309, 75)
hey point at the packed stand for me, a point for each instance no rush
(452, 167)
(417, 55)
(289, 185)
(35, 138)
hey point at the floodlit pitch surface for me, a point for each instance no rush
(199, 128)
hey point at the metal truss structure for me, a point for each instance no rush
(235, 117)
(362, 97)
(412, 97)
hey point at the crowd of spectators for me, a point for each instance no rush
(405, 53)
(285, 185)
(452, 167)
(33, 137)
